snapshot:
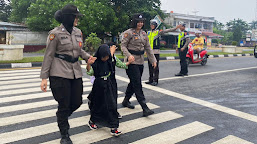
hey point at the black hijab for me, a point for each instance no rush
(66, 19)
(100, 67)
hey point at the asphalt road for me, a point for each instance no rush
(216, 103)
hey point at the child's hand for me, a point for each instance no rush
(130, 60)
(113, 49)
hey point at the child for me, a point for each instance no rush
(118, 63)
(103, 106)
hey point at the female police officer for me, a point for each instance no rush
(133, 45)
(61, 65)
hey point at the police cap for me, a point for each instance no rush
(71, 9)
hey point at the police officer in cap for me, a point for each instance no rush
(134, 44)
(61, 66)
(182, 48)
(154, 39)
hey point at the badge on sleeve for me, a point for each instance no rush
(52, 36)
(80, 44)
(125, 35)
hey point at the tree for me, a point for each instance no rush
(5, 10)
(92, 43)
(41, 14)
(253, 25)
(238, 27)
(20, 10)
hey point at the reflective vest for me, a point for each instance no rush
(181, 39)
(154, 39)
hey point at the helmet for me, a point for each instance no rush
(153, 22)
(182, 23)
(198, 32)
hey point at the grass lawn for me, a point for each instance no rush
(25, 60)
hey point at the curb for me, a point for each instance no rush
(83, 62)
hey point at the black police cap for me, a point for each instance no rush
(71, 9)
(139, 17)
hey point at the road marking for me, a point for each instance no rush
(213, 106)
(177, 134)
(19, 77)
(19, 74)
(48, 113)
(232, 140)
(28, 90)
(125, 127)
(19, 70)
(204, 74)
(32, 84)
(81, 121)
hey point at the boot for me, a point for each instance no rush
(127, 104)
(146, 110)
(66, 139)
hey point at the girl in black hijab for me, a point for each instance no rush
(103, 107)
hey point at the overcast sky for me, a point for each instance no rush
(222, 10)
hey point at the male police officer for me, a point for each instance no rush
(154, 39)
(183, 41)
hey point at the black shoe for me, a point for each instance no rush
(154, 83)
(66, 139)
(119, 116)
(92, 126)
(180, 74)
(127, 104)
(149, 82)
(115, 132)
(147, 112)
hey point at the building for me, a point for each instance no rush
(14, 34)
(193, 23)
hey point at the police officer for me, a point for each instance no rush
(182, 48)
(61, 66)
(134, 43)
(154, 39)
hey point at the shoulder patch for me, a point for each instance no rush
(125, 35)
(52, 36)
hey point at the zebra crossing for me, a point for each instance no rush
(27, 115)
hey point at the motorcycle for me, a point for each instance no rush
(192, 56)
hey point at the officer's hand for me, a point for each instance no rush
(182, 49)
(178, 26)
(154, 65)
(131, 58)
(43, 85)
(91, 60)
(176, 50)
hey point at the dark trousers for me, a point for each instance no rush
(68, 94)
(134, 73)
(154, 73)
(183, 62)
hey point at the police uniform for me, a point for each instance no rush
(135, 44)
(154, 39)
(183, 41)
(63, 69)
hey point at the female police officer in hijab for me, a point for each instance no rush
(61, 66)
(133, 45)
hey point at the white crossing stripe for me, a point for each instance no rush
(46, 114)
(28, 90)
(126, 127)
(27, 106)
(232, 140)
(210, 105)
(77, 122)
(19, 71)
(26, 85)
(19, 77)
(19, 74)
(177, 134)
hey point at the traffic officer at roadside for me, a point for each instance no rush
(134, 44)
(154, 39)
(182, 48)
(61, 66)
